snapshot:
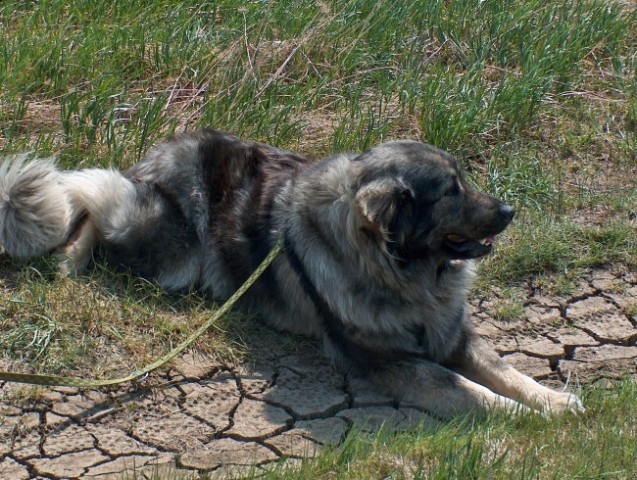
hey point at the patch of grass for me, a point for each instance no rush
(509, 307)
(520, 178)
(467, 74)
(541, 245)
(598, 445)
(562, 284)
(69, 325)
(631, 310)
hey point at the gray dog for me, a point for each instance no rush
(377, 259)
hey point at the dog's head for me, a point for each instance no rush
(414, 198)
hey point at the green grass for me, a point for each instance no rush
(598, 445)
(68, 325)
(537, 98)
(545, 245)
(112, 78)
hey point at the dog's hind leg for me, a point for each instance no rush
(75, 254)
(102, 198)
(482, 364)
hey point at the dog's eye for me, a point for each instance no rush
(406, 195)
(454, 189)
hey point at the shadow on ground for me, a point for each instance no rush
(198, 415)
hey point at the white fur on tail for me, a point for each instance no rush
(35, 211)
(40, 204)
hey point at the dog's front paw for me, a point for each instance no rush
(562, 402)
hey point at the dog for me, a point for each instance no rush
(377, 261)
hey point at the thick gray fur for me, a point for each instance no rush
(378, 260)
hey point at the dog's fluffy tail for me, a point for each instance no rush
(40, 205)
(35, 210)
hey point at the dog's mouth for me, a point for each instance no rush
(463, 247)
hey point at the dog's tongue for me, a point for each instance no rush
(460, 239)
(489, 240)
(457, 238)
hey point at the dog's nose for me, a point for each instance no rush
(507, 212)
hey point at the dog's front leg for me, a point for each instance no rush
(438, 390)
(482, 364)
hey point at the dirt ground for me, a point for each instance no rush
(198, 415)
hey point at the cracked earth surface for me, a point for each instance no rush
(200, 416)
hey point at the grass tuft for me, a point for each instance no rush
(596, 446)
(545, 245)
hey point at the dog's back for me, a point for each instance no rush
(172, 217)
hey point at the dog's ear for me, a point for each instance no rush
(380, 202)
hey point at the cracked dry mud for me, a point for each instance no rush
(200, 416)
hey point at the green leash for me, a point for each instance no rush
(55, 380)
